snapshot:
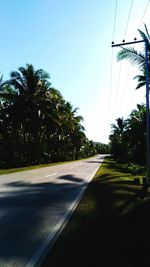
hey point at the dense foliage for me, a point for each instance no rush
(128, 137)
(37, 125)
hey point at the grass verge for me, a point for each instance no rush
(110, 227)
(21, 169)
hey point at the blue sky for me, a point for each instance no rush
(71, 40)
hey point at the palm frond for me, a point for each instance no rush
(141, 81)
(1, 79)
(78, 118)
(56, 92)
(145, 38)
(15, 75)
(42, 74)
(140, 84)
(132, 56)
(140, 78)
(146, 31)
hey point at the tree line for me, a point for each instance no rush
(37, 125)
(128, 137)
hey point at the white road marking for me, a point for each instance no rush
(50, 174)
(47, 244)
(71, 168)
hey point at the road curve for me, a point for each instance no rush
(34, 205)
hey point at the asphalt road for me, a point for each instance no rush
(32, 204)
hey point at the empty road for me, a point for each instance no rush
(32, 204)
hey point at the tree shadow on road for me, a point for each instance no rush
(30, 207)
(71, 178)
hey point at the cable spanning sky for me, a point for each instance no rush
(123, 96)
(71, 40)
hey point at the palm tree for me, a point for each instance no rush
(27, 80)
(37, 125)
(137, 58)
(28, 89)
(118, 148)
(135, 134)
(119, 128)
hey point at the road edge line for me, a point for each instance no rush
(48, 243)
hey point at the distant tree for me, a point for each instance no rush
(102, 148)
(118, 147)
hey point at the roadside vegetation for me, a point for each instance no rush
(37, 125)
(110, 226)
(128, 137)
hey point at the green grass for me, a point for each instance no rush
(110, 227)
(7, 171)
(21, 169)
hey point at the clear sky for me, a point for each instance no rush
(71, 40)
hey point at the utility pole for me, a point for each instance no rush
(147, 102)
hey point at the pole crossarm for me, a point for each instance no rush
(128, 43)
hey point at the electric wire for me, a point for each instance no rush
(119, 74)
(117, 89)
(114, 26)
(110, 90)
(145, 10)
(127, 24)
(130, 100)
(122, 95)
(141, 20)
(111, 67)
(126, 29)
(124, 89)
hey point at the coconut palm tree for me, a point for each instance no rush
(135, 135)
(37, 124)
(137, 58)
(28, 88)
(116, 137)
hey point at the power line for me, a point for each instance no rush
(124, 89)
(119, 75)
(141, 20)
(126, 29)
(144, 13)
(117, 89)
(125, 86)
(111, 67)
(127, 24)
(114, 27)
(128, 19)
